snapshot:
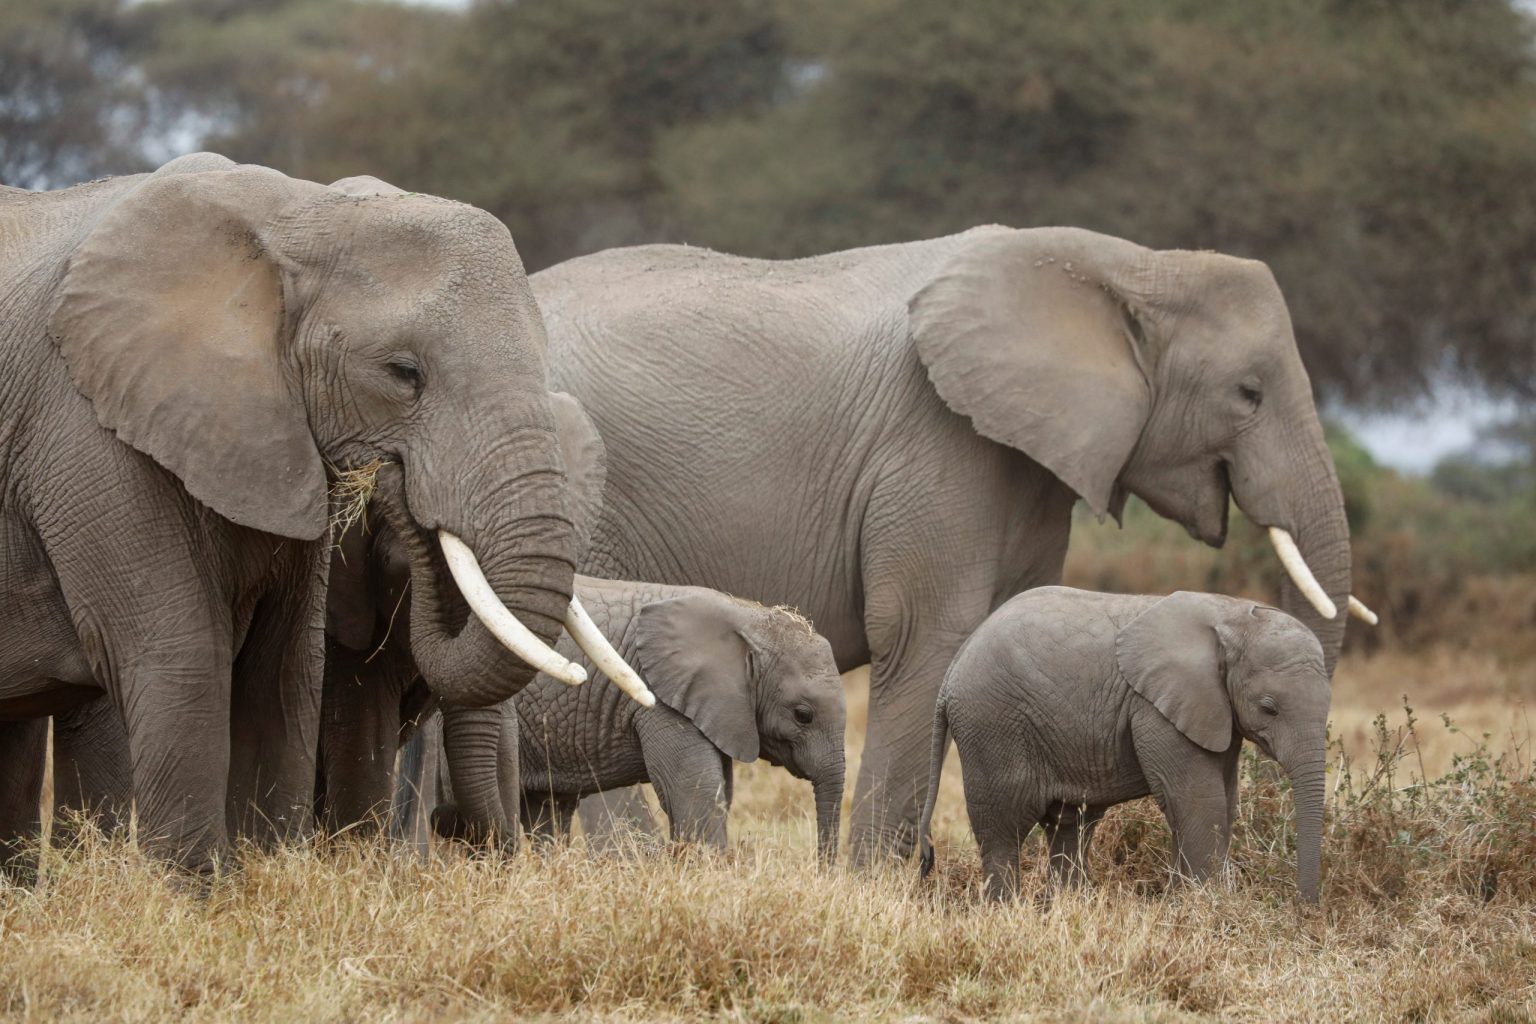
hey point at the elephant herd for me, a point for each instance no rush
(632, 467)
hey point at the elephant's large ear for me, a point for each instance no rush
(586, 462)
(1171, 655)
(171, 319)
(694, 657)
(1028, 339)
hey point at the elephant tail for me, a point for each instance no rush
(935, 770)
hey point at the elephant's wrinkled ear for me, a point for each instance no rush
(1027, 340)
(171, 319)
(586, 462)
(1170, 654)
(695, 660)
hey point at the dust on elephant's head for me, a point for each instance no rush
(248, 330)
(1168, 374)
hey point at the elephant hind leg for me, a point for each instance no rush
(1068, 831)
(547, 816)
(607, 818)
(23, 753)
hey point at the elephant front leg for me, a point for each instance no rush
(92, 770)
(279, 680)
(23, 748)
(690, 779)
(359, 738)
(178, 721)
(905, 674)
(1192, 792)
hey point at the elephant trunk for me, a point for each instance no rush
(828, 789)
(475, 748)
(523, 545)
(1307, 787)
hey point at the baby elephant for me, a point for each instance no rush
(733, 681)
(1066, 702)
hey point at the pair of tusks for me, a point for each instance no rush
(1296, 568)
(519, 639)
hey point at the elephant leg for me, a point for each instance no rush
(23, 753)
(359, 739)
(1194, 800)
(999, 823)
(92, 771)
(1068, 831)
(905, 674)
(608, 818)
(547, 816)
(278, 682)
(690, 781)
(416, 785)
(178, 720)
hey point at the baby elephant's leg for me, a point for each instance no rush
(691, 783)
(547, 816)
(1195, 801)
(1000, 827)
(1068, 831)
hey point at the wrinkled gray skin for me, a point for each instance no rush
(374, 694)
(891, 439)
(1067, 702)
(182, 355)
(733, 681)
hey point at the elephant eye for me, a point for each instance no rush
(1251, 394)
(1268, 704)
(804, 716)
(406, 372)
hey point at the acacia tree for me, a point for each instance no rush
(71, 107)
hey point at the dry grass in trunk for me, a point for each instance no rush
(351, 491)
(1429, 912)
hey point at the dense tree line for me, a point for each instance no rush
(1379, 154)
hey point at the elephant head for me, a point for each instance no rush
(1170, 375)
(1209, 664)
(757, 682)
(255, 334)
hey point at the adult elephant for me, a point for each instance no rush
(183, 354)
(892, 438)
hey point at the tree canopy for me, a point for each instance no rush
(1380, 155)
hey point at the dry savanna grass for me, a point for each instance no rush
(1429, 912)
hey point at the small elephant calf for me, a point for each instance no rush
(1065, 702)
(733, 680)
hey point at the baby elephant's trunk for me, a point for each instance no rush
(1307, 786)
(828, 787)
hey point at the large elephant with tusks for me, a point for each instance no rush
(188, 360)
(892, 439)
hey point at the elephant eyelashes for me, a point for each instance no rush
(407, 373)
(1251, 394)
(804, 716)
(1268, 704)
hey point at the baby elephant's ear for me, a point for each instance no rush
(695, 659)
(1171, 655)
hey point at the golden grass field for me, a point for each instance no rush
(1429, 912)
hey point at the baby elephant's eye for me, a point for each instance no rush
(1268, 704)
(804, 716)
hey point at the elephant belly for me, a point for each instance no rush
(43, 669)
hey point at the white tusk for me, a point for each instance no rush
(1296, 568)
(1361, 612)
(591, 640)
(504, 626)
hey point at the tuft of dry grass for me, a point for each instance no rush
(351, 491)
(1429, 912)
